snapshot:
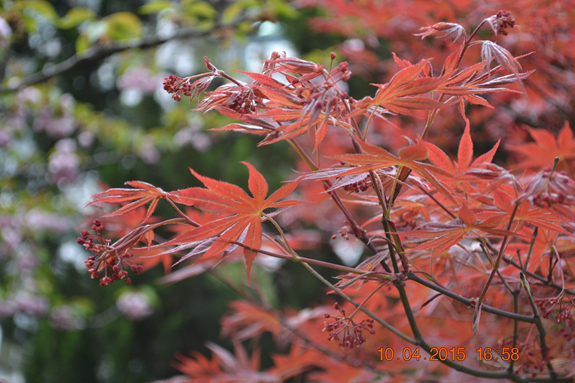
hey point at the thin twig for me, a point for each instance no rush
(541, 279)
(515, 323)
(499, 258)
(538, 323)
(97, 53)
(457, 297)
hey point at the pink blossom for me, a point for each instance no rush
(35, 305)
(63, 318)
(64, 163)
(141, 79)
(134, 305)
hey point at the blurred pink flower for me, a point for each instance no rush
(64, 163)
(40, 220)
(63, 318)
(134, 305)
(34, 305)
(140, 79)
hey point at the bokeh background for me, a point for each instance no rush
(82, 108)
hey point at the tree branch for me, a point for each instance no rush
(538, 323)
(457, 297)
(97, 53)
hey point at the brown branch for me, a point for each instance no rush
(97, 53)
(457, 297)
(515, 323)
(539, 324)
(541, 279)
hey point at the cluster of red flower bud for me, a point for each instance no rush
(344, 329)
(107, 259)
(344, 232)
(546, 305)
(548, 188)
(548, 199)
(501, 21)
(178, 86)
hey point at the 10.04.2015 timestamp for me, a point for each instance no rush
(453, 354)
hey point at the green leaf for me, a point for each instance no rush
(82, 43)
(43, 8)
(155, 6)
(201, 9)
(29, 23)
(232, 12)
(75, 17)
(123, 26)
(282, 8)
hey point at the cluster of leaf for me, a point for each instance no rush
(457, 248)
(373, 29)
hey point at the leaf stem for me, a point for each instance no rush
(499, 257)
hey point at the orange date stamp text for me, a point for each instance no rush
(454, 354)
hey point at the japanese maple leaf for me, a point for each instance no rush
(541, 153)
(525, 213)
(470, 82)
(238, 367)
(133, 197)
(242, 213)
(374, 158)
(401, 94)
(464, 156)
(441, 236)
(247, 320)
(224, 366)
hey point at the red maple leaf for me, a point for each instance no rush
(402, 93)
(134, 197)
(243, 214)
(374, 158)
(441, 236)
(541, 153)
(460, 171)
